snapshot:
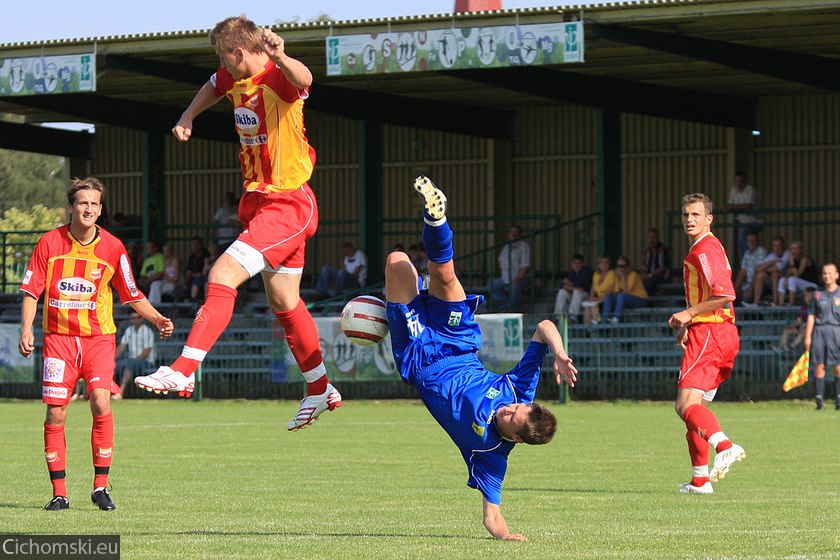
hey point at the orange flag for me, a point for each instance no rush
(799, 373)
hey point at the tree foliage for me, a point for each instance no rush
(28, 179)
(17, 247)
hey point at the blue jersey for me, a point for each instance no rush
(435, 345)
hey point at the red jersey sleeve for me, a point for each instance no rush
(715, 268)
(34, 280)
(277, 81)
(222, 81)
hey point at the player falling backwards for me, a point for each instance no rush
(435, 340)
(278, 210)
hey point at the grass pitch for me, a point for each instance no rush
(382, 480)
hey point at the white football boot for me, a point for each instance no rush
(434, 201)
(312, 406)
(166, 379)
(689, 488)
(724, 460)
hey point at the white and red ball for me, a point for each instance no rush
(364, 320)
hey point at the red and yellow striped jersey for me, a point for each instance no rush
(268, 113)
(78, 280)
(707, 273)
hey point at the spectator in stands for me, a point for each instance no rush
(227, 218)
(770, 270)
(195, 264)
(630, 292)
(138, 345)
(200, 281)
(127, 226)
(417, 254)
(754, 254)
(167, 287)
(822, 333)
(801, 273)
(574, 288)
(795, 329)
(656, 262)
(604, 282)
(351, 275)
(743, 197)
(515, 269)
(151, 270)
(135, 255)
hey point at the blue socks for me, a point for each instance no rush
(438, 240)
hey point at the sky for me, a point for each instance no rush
(41, 20)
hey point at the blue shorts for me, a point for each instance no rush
(428, 330)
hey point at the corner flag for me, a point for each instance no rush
(799, 373)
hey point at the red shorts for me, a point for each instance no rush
(68, 358)
(278, 224)
(709, 355)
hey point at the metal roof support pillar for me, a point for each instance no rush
(608, 183)
(370, 198)
(153, 197)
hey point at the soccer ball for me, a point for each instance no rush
(364, 320)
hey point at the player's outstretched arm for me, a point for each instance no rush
(147, 311)
(548, 334)
(496, 524)
(203, 100)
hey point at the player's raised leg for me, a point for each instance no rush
(437, 239)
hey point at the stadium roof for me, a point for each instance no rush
(703, 61)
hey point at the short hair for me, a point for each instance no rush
(740, 173)
(699, 197)
(540, 426)
(234, 32)
(88, 183)
(577, 257)
(810, 290)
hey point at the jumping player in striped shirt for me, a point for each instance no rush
(278, 210)
(76, 266)
(435, 340)
(706, 330)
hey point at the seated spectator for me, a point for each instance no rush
(795, 330)
(604, 282)
(138, 344)
(574, 288)
(151, 271)
(801, 273)
(515, 269)
(417, 254)
(753, 255)
(214, 251)
(195, 264)
(167, 287)
(351, 275)
(630, 292)
(770, 270)
(227, 218)
(656, 262)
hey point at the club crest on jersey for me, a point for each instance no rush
(479, 430)
(492, 393)
(96, 273)
(454, 318)
(53, 370)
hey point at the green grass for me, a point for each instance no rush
(382, 480)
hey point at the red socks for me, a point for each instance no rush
(302, 338)
(55, 452)
(210, 321)
(102, 445)
(703, 429)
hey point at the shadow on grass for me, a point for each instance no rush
(574, 490)
(303, 534)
